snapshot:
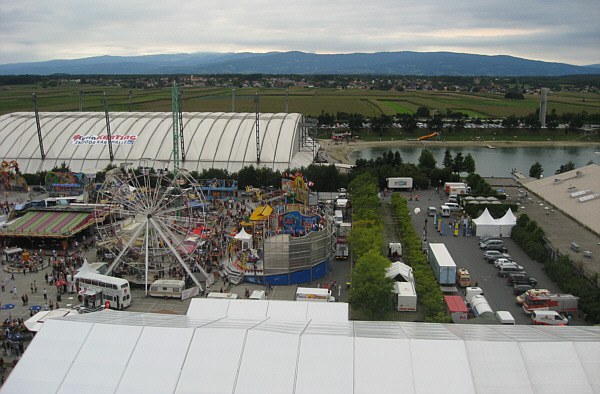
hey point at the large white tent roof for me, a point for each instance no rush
(212, 140)
(115, 351)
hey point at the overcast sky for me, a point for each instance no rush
(566, 31)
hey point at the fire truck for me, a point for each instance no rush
(562, 303)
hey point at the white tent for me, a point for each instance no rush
(507, 222)
(486, 225)
(256, 354)
(399, 268)
(245, 238)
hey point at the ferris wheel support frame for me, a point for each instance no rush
(177, 256)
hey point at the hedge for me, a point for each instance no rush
(428, 289)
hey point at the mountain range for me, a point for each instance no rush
(380, 63)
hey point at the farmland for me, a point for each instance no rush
(308, 101)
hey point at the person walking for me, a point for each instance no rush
(45, 294)
(15, 292)
(3, 286)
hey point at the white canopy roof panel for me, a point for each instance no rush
(171, 353)
(212, 140)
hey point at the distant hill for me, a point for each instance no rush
(386, 63)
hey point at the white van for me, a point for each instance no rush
(548, 318)
(504, 317)
(431, 211)
(339, 217)
(445, 211)
(167, 288)
(471, 292)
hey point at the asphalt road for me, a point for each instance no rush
(466, 253)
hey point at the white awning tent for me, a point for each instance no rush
(399, 268)
(245, 238)
(487, 225)
(507, 222)
(158, 353)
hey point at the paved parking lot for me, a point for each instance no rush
(466, 253)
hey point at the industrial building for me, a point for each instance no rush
(228, 141)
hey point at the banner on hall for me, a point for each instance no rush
(116, 139)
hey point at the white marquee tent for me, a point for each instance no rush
(212, 140)
(128, 352)
(507, 222)
(487, 225)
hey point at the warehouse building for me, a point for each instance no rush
(220, 140)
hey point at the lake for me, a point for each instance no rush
(497, 162)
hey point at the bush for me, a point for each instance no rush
(431, 297)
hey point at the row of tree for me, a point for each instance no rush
(371, 290)
(436, 121)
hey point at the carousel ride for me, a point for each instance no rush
(150, 217)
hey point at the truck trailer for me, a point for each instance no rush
(562, 303)
(456, 308)
(456, 188)
(342, 250)
(314, 295)
(442, 264)
(400, 183)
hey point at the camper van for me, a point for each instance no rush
(167, 288)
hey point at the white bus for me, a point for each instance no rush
(167, 288)
(95, 290)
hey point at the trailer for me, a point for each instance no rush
(405, 299)
(562, 303)
(313, 295)
(456, 188)
(456, 308)
(342, 250)
(400, 183)
(442, 264)
(479, 305)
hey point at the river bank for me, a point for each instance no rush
(340, 151)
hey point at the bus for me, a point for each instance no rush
(96, 290)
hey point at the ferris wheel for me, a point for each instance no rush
(150, 217)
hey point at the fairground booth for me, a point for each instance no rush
(285, 243)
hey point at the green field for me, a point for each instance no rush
(311, 101)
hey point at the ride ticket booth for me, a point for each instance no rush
(90, 298)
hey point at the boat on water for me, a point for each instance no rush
(490, 146)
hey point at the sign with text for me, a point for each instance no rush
(103, 139)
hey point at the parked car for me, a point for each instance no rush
(521, 289)
(486, 238)
(504, 260)
(493, 244)
(536, 292)
(509, 268)
(520, 278)
(494, 254)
